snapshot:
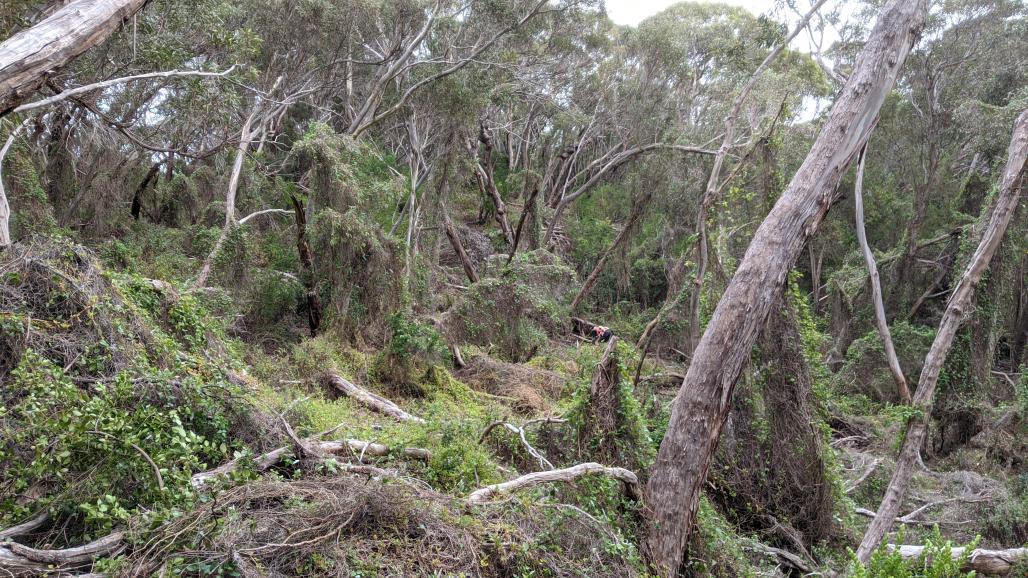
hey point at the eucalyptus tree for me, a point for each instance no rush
(700, 410)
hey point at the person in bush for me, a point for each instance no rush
(602, 334)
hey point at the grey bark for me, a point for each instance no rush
(30, 55)
(917, 428)
(703, 402)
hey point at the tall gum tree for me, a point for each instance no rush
(956, 309)
(703, 403)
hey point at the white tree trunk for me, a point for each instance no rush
(917, 428)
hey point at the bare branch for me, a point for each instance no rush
(565, 475)
(72, 92)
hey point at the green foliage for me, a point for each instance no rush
(629, 443)
(934, 562)
(86, 448)
(516, 308)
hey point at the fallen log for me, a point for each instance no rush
(16, 557)
(489, 493)
(982, 561)
(26, 527)
(373, 401)
(264, 462)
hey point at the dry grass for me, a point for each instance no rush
(351, 525)
(529, 390)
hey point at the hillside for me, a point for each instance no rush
(504, 289)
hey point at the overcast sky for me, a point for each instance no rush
(633, 11)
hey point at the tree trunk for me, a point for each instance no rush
(458, 247)
(137, 198)
(703, 402)
(5, 207)
(245, 136)
(917, 428)
(876, 286)
(530, 208)
(590, 281)
(303, 248)
(29, 56)
(487, 179)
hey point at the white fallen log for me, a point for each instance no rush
(489, 493)
(373, 401)
(265, 461)
(18, 556)
(982, 561)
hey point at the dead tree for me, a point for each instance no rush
(303, 249)
(876, 285)
(699, 412)
(484, 170)
(29, 56)
(917, 428)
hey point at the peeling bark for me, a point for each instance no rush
(29, 56)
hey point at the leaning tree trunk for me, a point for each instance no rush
(703, 402)
(309, 279)
(917, 428)
(29, 56)
(594, 275)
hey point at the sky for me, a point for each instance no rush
(633, 11)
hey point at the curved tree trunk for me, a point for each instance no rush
(703, 403)
(29, 56)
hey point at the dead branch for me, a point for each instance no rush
(520, 431)
(17, 555)
(863, 477)
(784, 556)
(348, 447)
(876, 285)
(26, 527)
(5, 207)
(141, 451)
(73, 92)
(373, 401)
(565, 475)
